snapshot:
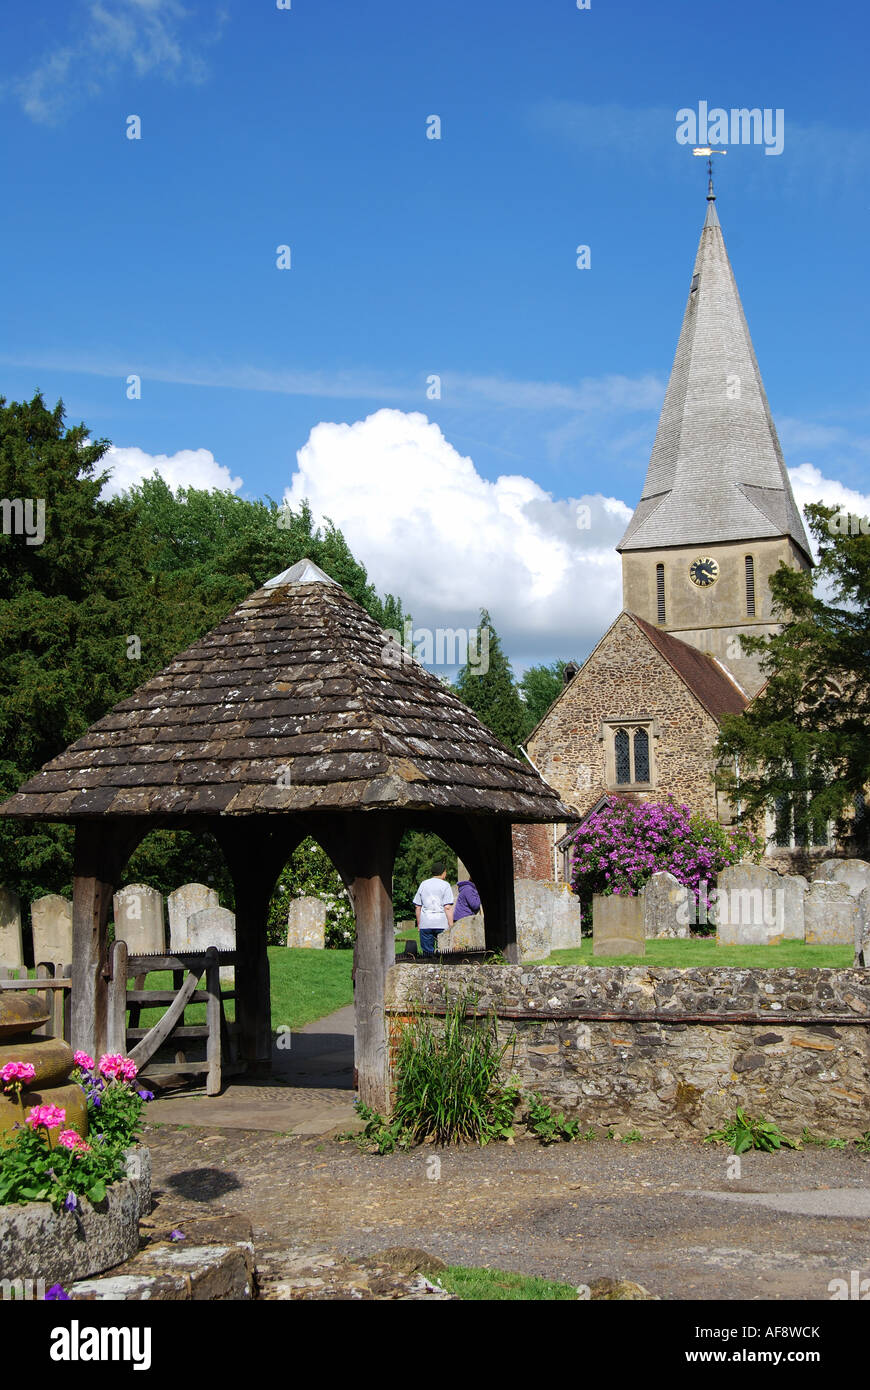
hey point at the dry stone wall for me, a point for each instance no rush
(674, 1052)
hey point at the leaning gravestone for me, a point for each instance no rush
(467, 934)
(750, 906)
(183, 903)
(534, 918)
(11, 953)
(306, 923)
(862, 929)
(567, 931)
(667, 909)
(617, 925)
(830, 913)
(139, 919)
(213, 926)
(51, 919)
(855, 873)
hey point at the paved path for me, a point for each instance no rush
(310, 1090)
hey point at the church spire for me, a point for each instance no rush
(716, 472)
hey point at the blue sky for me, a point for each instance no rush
(411, 257)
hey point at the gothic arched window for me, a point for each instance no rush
(623, 756)
(641, 755)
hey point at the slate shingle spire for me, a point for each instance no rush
(717, 471)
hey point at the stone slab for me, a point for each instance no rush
(179, 1272)
(830, 913)
(306, 923)
(214, 926)
(11, 952)
(750, 905)
(567, 931)
(51, 920)
(182, 904)
(139, 919)
(617, 925)
(534, 916)
(862, 929)
(467, 934)
(855, 873)
(666, 907)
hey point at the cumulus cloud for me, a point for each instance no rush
(810, 485)
(428, 526)
(186, 468)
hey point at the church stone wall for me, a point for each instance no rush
(626, 677)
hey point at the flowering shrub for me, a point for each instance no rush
(37, 1167)
(620, 847)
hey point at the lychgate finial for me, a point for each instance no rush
(706, 150)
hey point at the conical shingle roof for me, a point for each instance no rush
(717, 472)
(298, 701)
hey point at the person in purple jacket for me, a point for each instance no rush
(467, 900)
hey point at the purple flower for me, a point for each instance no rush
(177, 1235)
(146, 1095)
(71, 1201)
(56, 1291)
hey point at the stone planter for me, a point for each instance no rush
(37, 1242)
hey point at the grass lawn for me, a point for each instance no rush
(495, 1284)
(680, 954)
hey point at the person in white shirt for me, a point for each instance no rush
(434, 903)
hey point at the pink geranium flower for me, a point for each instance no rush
(70, 1140)
(82, 1059)
(111, 1064)
(19, 1072)
(128, 1069)
(45, 1116)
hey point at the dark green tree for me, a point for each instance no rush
(540, 685)
(489, 689)
(802, 747)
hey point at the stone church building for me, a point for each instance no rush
(716, 518)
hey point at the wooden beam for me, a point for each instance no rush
(102, 848)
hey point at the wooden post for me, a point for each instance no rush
(101, 851)
(213, 1018)
(365, 853)
(116, 1029)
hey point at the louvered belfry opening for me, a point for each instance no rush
(660, 593)
(750, 585)
(296, 716)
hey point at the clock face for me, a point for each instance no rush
(704, 572)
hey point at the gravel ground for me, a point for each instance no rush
(663, 1214)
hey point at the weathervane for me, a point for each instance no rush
(706, 150)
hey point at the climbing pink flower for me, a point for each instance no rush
(45, 1116)
(17, 1072)
(82, 1059)
(70, 1140)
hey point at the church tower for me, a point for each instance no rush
(717, 514)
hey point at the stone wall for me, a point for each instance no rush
(674, 1052)
(627, 678)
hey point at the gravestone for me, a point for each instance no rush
(617, 925)
(213, 926)
(534, 917)
(830, 913)
(51, 920)
(567, 929)
(668, 907)
(306, 923)
(465, 935)
(855, 873)
(862, 929)
(11, 953)
(139, 919)
(750, 906)
(183, 903)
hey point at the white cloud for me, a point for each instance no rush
(186, 468)
(430, 528)
(809, 485)
(112, 36)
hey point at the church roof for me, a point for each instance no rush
(717, 471)
(298, 701)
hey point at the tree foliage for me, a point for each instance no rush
(493, 694)
(803, 745)
(540, 686)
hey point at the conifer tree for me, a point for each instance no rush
(492, 693)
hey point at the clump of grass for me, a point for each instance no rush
(449, 1086)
